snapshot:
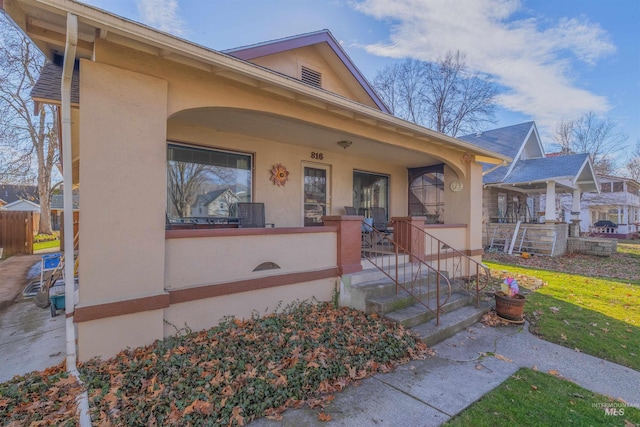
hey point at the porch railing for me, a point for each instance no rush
(421, 265)
(429, 286)
(472, 276)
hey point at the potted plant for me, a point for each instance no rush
(509, 302)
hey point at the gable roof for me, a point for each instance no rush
(507, 140)
(22, 205)
(96, 23)
(257, 50)
(532, 173)
(546, 168)
(211, 196)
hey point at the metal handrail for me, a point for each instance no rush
(445, 252)
(384, 254)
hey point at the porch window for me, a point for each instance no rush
(370, 190)
(426, 193)
(204, 183)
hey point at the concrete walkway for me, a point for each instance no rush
(30, 339)
(429, 392)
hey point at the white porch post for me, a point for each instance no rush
(550, 208)
(574, 230)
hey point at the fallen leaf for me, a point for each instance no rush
(235, 415)
(554, 309)
(534, 368)
(501, 357)
(198, 406)
(534, 387)
(479, 367)
(554, 372)
(563, 336)
(324, 417)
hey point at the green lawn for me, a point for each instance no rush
(46, 245)
(532, 398)
(594, 315)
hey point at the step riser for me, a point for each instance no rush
(402, 300)
(428, 315)
(446, 332)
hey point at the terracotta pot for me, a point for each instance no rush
(510, 308)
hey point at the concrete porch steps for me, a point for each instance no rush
(373, 292)
(450, 323)
(418, 314)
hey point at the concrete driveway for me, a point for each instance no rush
(30, 339)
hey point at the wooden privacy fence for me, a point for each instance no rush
(17, 230)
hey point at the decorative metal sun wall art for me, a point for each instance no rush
(279, 175)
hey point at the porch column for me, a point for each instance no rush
(406, 233)
(349, 241)
(574, 229)
(550, 209)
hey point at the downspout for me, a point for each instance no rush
(67, 175)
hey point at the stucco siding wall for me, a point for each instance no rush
(206, 313)
(123, 170)
(202, 260)
(106, 337)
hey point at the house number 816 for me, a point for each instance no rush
(317, 156)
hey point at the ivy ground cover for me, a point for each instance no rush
(227, 375)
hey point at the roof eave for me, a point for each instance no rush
(165, 43)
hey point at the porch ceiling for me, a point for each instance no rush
(296, 132)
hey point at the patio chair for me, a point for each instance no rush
(379, 216)
(350, 210)
(250, 215)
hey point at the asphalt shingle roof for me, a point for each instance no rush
(48, 84)
(546, 168)
(506, 141)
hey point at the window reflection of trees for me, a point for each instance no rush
(208, 171)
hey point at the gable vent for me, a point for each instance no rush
(310, 77)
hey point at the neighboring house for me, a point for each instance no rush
(618, 202)
(526, 189)
(11, 193)
(291, 124)
(214, 203)
(21, 205)
(57, 208)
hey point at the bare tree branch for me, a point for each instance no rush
(28, 138)
(443, 95)
(590, 134)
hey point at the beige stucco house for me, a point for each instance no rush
(290, 124)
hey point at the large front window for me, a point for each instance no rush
(205, 183)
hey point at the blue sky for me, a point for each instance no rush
(552, 59)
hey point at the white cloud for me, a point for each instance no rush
(161, 14)
(534, 62)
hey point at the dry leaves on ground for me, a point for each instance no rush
(621, 265)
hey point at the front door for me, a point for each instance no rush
(316, 194)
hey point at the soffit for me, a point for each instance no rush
(283, 129)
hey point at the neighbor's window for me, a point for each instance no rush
(426, 193)
(204, 182)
